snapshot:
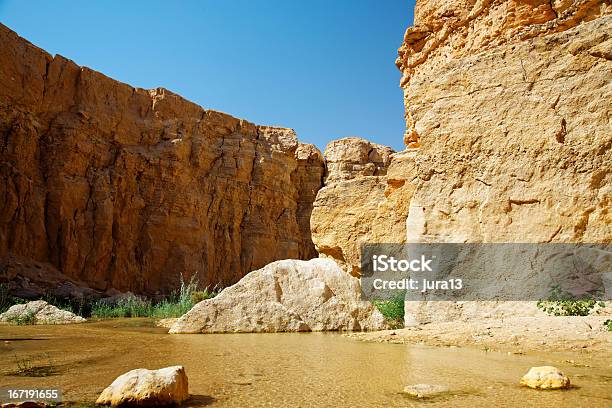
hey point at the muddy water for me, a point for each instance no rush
(280, 370)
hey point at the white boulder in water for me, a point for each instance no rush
(39, 312)
(286, 296)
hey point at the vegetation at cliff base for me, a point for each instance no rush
(176, 305)
(393, 310)
(560, 303)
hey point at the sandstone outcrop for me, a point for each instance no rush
(545, 378)
(127, 188)
(285, 296)
(148, 388)
(507, 109)
(38, 312)
(364, 199)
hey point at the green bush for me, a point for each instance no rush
(560, 303)
(26, 319)
(200, 295)
(608, 324)
(176, 305)
(393, 310)
(127, 307)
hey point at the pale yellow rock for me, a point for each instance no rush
(424, 390)
(545, 378)
(508, 104)
(142, 387)
(365, 199)
(286, 296)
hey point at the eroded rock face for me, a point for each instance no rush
(361, 201)
(128, 188)
(507, 107)
(149, 388)
(285, 296)
(38, 312)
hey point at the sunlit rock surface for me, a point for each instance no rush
(286, 296)
(126, 188)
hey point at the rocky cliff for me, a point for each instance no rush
(508, 103)
(128, 188)
(508, 113)
(365, 199)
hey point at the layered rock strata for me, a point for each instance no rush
(128, 188)
(364, 199)
(508, 105)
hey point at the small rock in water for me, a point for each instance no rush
(424, 390)
(142, 387)
(545, 378)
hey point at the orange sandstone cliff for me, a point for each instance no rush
(125, 188)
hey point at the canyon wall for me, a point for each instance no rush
(509, 102)
(126, 188)
(508, 111)
(365, 199)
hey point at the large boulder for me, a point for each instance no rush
(38, 312)
(142, 387)
(288, 295)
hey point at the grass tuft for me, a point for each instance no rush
(27, 368)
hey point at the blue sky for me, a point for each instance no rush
(323, 67)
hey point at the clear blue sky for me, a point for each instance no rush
(323, 67)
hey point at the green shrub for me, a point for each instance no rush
(608, 324)
(560, 303)
(26, 319)
(176, 305)
(200, 295)
(393, 310)
(132, 306)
